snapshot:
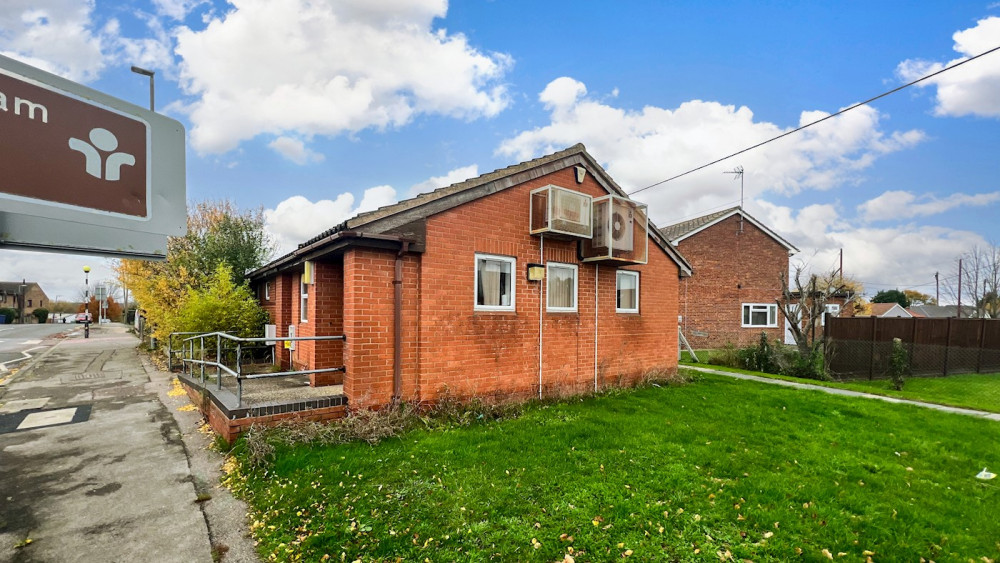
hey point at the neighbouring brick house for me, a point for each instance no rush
(737, 263)
(469, 321)
(34, 298)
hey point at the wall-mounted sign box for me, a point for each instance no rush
(81, 171)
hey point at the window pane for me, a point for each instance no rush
(560, 284)
(758, 317)
(494, 288)
(627, 291)
(746, 314)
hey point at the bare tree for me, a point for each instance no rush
(803, 302)
(980, 280)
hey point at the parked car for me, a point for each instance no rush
(83, 317)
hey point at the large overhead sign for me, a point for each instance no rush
(81, 171)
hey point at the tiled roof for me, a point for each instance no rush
(422, 199)
(678, 230)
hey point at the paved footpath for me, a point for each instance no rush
(92, 465)
(848, 393)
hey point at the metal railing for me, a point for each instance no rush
(190, 360)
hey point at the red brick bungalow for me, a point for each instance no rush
(738, 263)
(433, 293)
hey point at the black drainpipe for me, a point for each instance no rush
(397, 313)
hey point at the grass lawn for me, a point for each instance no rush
(980, 391)
(715, 468)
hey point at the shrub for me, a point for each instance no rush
(760, 357)
(899, 365)
(222, 305)
(9, 314)
(42, 315)
(727, 356)
(806, 367)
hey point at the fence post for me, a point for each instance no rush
(982, 342)
(201, 357)
(947, 345)
(913, 341)
(871, 358)
(239, 376)
(218, 361)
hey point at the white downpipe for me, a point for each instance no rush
(597, 292)
(541, 304)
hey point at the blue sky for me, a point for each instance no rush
(316, 110)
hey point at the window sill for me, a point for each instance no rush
(478, 312)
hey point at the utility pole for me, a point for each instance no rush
(841, 265)
(937, 289)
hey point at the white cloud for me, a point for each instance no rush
(897, 204)
(60, 275)
(319, 68)
(295, 150)
(64, 38)
(298, 219)
(641, 147)
(177, 9)
(55, 35)
(376, 197)
(900, 256)
(970, 89)
(452, 177)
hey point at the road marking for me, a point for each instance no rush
(25, 356)
(32, 341)
(47, 418)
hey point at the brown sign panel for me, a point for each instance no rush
(62, 150)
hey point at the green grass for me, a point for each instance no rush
(717, 466)
(979, 391)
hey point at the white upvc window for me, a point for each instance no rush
(303, 301)
(562, 285)
(494, 282)
(760, 315)
(267, 291)
(627, 292)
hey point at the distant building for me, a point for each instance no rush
(738, 263)
(12, 293)
(943, 312)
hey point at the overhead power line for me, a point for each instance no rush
(832, 115)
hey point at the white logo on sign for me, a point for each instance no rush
(105, 141)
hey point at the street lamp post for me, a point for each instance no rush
(86, 302)
(152, 85)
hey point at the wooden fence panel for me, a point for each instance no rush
(860, 347)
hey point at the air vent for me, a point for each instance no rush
(561, 212)
(620, 232)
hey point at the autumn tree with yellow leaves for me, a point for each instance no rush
(218, 234)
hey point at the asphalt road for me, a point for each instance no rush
(18, 340)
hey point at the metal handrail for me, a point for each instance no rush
(188, 360)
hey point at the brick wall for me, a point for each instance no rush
(451, 348)
(730, 268)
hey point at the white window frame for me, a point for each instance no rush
(627, 273)
(303, 300)
(267, 290)
(772, 313)
(513, 283)
(576, 286)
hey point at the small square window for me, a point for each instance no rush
(627, 292)
(561, 286)
(494, 282)
(760, 315)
